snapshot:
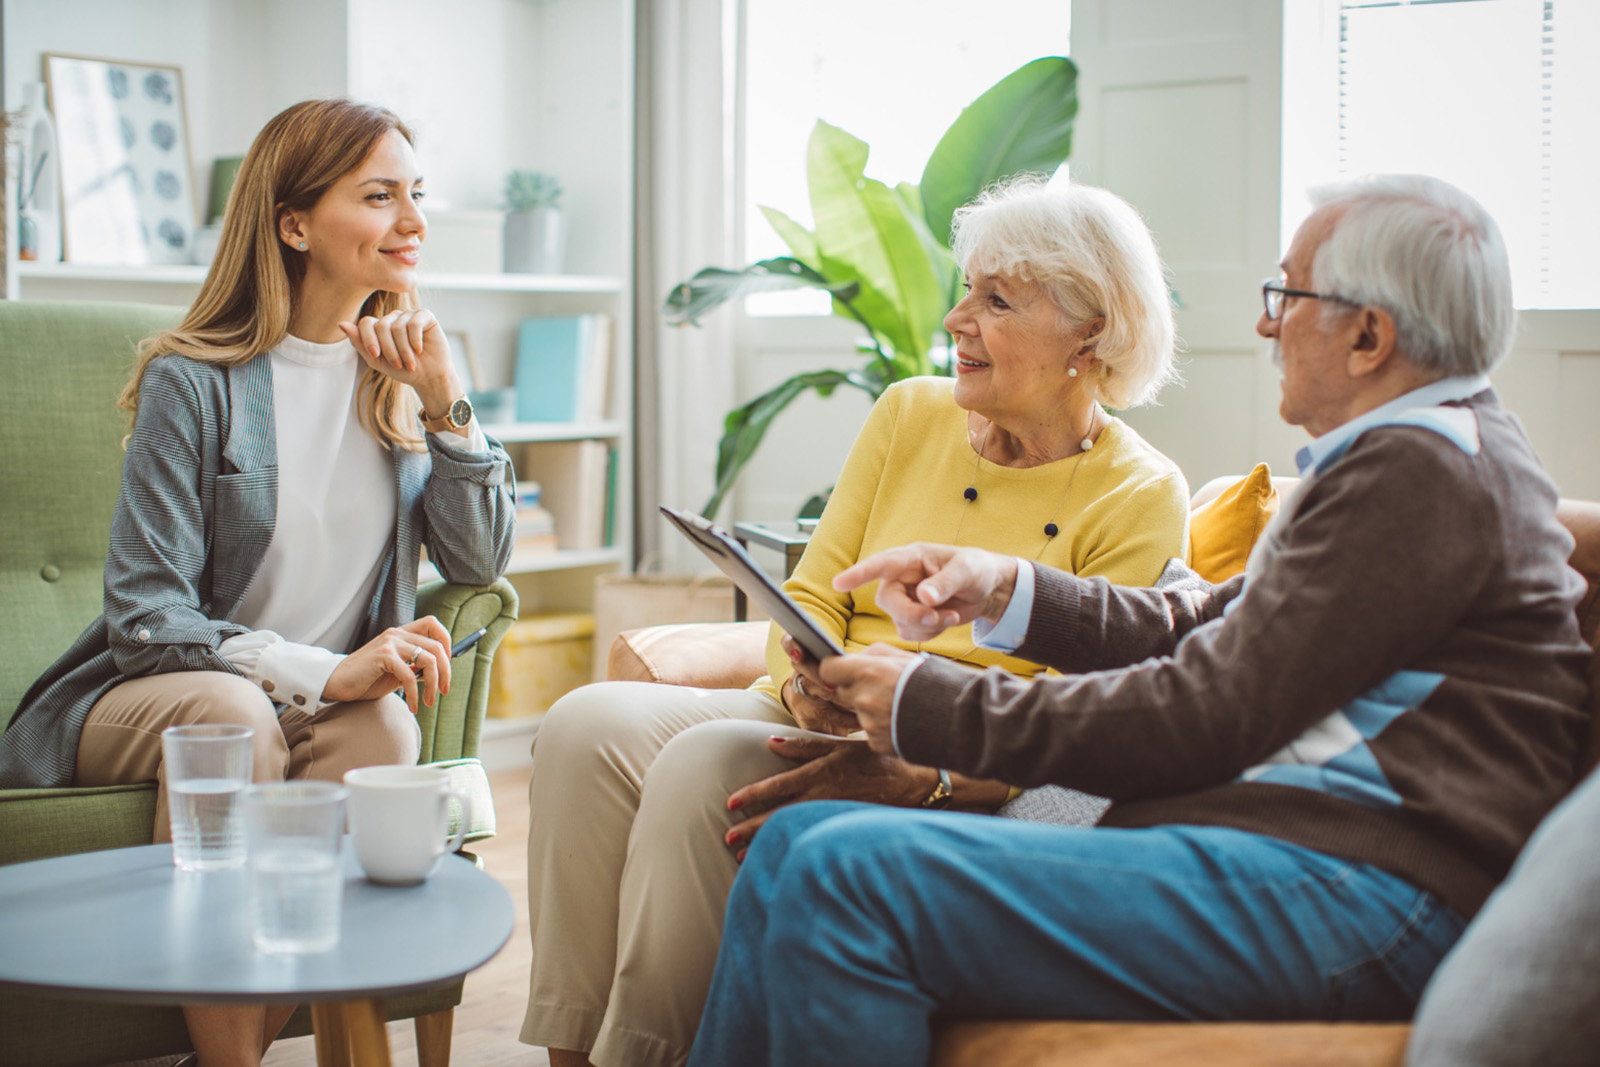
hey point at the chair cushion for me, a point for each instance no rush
(712, 655)
(1223, 528)
(37, 823)
(64, 363)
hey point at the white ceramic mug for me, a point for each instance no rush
(400, 819)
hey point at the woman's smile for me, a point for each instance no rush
(966, 364)
(407, 254)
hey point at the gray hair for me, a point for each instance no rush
(1095, 258)
(1428, 254)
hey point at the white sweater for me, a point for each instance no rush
(336, 514)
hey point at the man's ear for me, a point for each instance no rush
(1372, 342)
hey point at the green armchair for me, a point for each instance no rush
(63, 364)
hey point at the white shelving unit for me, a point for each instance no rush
(41, 275)
(534, 84)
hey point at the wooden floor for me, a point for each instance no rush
(491, 1009)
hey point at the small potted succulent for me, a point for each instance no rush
(536, 227)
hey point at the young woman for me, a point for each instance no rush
(294, 441)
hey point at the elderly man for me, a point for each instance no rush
(1319, 769)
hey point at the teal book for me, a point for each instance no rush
(612, 459)
(552, 354)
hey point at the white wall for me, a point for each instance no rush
(1552, 381)
(1180, 114)
(234, 57)
(507, 90)
(504, 87)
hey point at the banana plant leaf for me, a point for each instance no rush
(712, 287)
(745, 426)
(801, 241)
(1023, 123)
(863, 233)
(947, 275)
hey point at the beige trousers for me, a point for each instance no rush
(628, 872)
(121, 741)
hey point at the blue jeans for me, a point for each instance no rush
(851, 926)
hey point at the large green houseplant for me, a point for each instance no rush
(883, 253)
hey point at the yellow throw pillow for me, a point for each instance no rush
(1224, 529)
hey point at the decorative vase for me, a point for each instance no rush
(38, 179)
(535, 241)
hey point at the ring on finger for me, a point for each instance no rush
(415, 654)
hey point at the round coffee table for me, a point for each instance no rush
(126, 925)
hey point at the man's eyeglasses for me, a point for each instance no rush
(1274, 293)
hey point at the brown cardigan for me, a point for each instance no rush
(1414, 602)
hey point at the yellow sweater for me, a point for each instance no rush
(1125, 515)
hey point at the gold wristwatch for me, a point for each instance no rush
(942, 795)
(456, 417)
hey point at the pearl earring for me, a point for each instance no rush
(1072, 372)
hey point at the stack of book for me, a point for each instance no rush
(578, 479)
(536, 527)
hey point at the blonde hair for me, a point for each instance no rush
(250, 292)
(1095, 258)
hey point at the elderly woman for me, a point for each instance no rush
(644, 796)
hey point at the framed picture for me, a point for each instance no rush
(127, 186)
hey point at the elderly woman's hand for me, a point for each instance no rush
(811, 700)
(865, 684)
(829, 769)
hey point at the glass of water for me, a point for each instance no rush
(207, 767)
(293, 834)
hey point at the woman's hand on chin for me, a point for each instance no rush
(829, 769)
(410, 347)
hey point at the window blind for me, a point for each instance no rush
(1500, 97)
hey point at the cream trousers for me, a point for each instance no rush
(121, 741)
(628, 871)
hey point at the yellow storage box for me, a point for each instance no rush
(541, 659)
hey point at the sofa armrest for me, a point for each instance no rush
(707, 655)
(1026, 1043)
(451, 730)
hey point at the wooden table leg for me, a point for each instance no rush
(333, 1043)
(369, 1041)
(433, 1038)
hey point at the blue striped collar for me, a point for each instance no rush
(1336, 440)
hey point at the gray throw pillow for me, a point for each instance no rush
(1523, 984)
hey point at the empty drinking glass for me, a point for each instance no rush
(293, 834)
(206, 767)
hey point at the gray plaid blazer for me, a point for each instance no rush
(193, 519)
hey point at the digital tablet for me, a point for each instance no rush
(731, 558)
